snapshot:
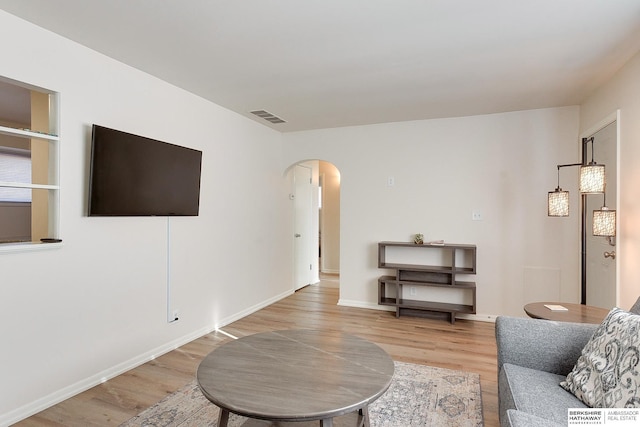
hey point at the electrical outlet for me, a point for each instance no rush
(413, 291)
(391, 181)
(476, 215)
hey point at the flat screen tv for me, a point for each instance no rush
(132, 175)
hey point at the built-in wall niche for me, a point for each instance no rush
(29, 146)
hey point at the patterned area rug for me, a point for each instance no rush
(418, 396)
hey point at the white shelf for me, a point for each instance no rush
(29, 185)
(17, 247)
(25, 133)
(45, 147)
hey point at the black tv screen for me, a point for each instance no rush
(132, 175)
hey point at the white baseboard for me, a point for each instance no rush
(99, 378)
(71, 390)
(491, 318)
(227, 320)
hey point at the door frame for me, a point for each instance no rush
(611, 118)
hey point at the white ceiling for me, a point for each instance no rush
(329, 63)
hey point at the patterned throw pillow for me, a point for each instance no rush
(607, 375)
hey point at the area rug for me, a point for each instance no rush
(418, 396)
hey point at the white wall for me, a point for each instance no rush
(623, 92)
(97, 306)
(502, 165)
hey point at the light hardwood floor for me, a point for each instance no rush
(466, 345)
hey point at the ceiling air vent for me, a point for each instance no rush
(268, 116)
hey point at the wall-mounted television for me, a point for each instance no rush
(132, 175)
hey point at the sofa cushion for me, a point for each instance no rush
(606, 374)
(534, 392)
(541, 344)
(523, 419)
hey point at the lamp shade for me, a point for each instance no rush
(558, 203)
(604, 222)
(592, 178)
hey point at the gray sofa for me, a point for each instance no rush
(533, 357)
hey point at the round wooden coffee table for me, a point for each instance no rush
(295, 375)
(577, 313)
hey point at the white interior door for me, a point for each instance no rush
(302, 226)
(601, 269)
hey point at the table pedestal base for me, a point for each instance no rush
(363, 420)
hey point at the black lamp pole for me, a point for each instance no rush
(583, 198)
(583, 209)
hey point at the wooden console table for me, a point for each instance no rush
(430, 266)
(577, 313)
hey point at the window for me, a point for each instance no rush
(15, 165)
(29, 145)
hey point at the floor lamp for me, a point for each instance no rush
(592, 181)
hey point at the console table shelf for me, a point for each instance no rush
(441, 265)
